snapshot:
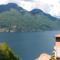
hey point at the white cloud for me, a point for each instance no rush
(55, 10)
(4, 1)
(25, 4)
(49, 6)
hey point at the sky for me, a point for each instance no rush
(48, 6)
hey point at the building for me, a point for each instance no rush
(57, 45)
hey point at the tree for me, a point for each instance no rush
(6, 53)
(53, 57)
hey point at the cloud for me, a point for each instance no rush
(4, 1)
(55, 10)
(49, 6)
(25, 4)
(29, 5)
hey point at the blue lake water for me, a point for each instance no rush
(29, 45)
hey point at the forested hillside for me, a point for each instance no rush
(13, 20)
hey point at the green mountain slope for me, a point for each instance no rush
(14, 21)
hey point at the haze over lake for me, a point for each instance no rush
(29, 45)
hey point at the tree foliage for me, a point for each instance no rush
(27, 22)
(53, 57)
(6, 53)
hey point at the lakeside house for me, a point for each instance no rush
(57, 45)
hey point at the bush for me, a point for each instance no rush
(6, 53)
(53, 57)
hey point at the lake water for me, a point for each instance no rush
(29, 45)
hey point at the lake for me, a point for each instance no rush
(29, 45)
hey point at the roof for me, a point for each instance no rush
(57, 35)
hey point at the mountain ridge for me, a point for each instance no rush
(17, 19)
(34, 11)
(9, 6)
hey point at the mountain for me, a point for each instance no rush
(16, 19)
(9, 6)
(37, 11)
(40, 12)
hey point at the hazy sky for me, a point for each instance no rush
(49, 6)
